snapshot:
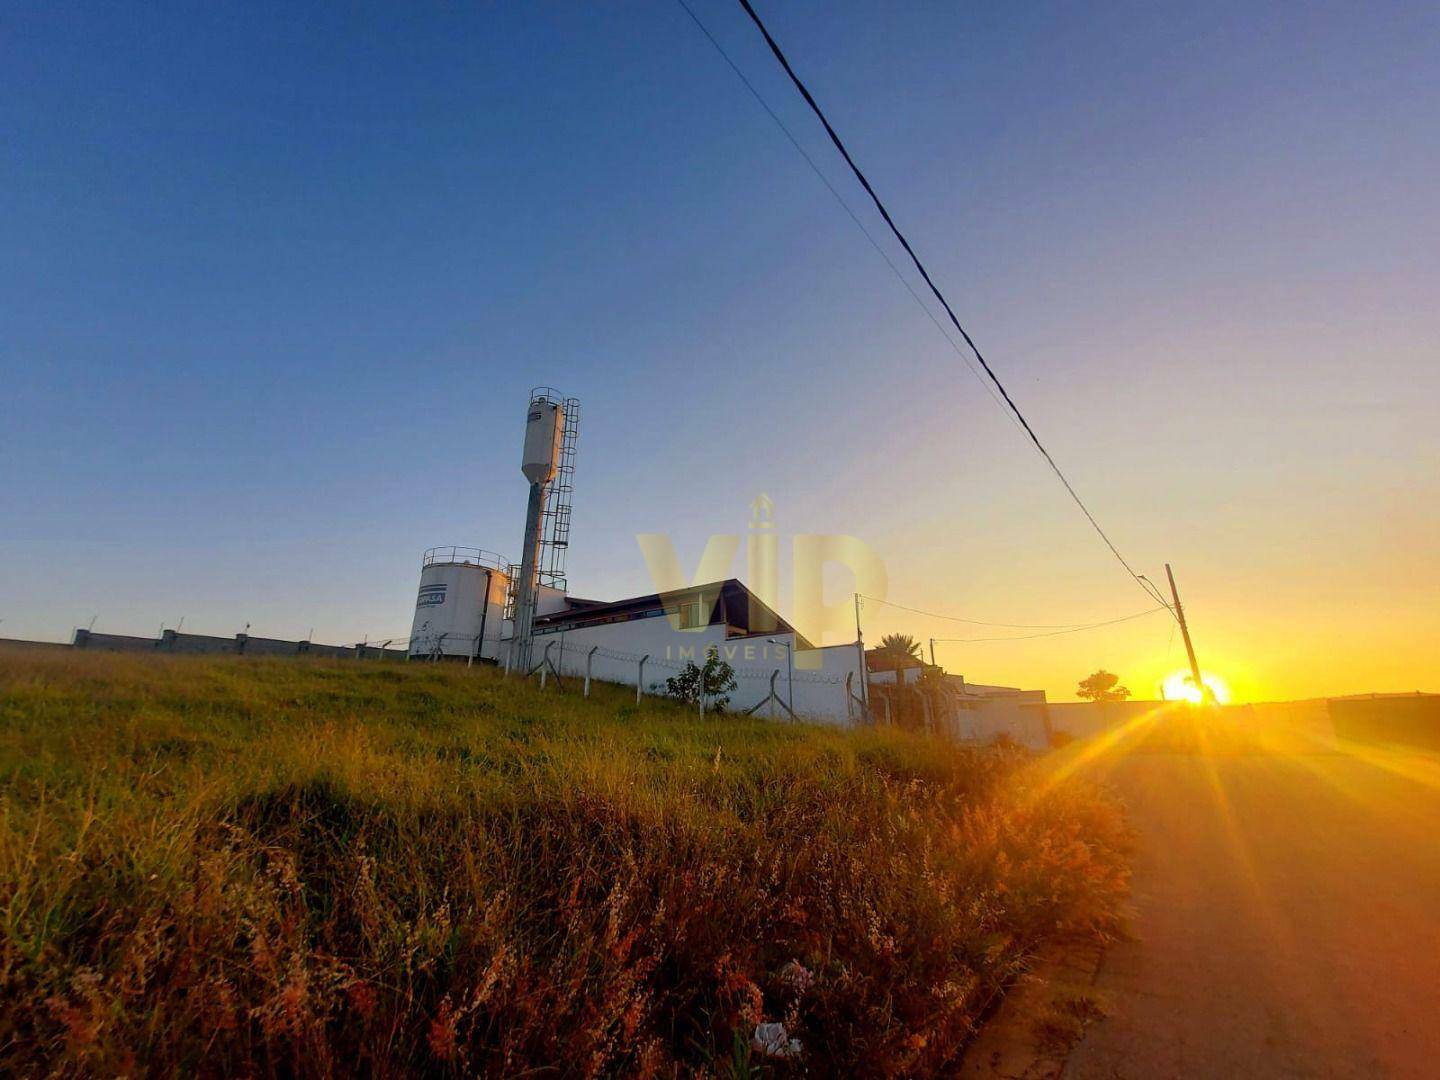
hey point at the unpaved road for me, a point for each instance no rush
(1287, 919)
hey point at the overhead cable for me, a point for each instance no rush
(1005, 625)
(994, 379)
(1055, 633)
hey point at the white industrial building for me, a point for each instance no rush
(475, 605)
(645, 639)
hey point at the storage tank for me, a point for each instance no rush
(544, 426)
(460, 607)
(540, 457)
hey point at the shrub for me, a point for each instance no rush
(715, 681)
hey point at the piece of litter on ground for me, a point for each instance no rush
(774, 1040)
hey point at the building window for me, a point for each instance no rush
(691, 615)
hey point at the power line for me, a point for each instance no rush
(1055, 633)
(850, 212)
(1063, 627)
(973, 622)
(949, 311)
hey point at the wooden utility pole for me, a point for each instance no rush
(860, 648)
(1205, 693)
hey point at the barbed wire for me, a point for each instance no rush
(570, 660)
(742, 671)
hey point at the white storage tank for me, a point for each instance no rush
(544, 429)
(460, 608)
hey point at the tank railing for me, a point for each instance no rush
(463, 556)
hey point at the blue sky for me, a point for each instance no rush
(274, 284)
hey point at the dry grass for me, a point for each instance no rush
(317, 868)
(1062, 1025)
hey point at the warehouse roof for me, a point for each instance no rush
(729, 603)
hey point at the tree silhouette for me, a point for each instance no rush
(1101, 687)
(898, 648)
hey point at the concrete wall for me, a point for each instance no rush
(1289, 725)
(20, 644)
(1403, 719)
(241, 644)
(1082, 719)
(906, 676)
(1020, 718)
(817, 678)
(1018, 715)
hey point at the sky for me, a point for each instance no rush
(275, 283)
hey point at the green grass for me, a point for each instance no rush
(311, 867)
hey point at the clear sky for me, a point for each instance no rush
(274, 282)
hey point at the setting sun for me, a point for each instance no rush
(1180, 686)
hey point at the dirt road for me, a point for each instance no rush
(1287, 919)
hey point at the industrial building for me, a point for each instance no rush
(475, 605)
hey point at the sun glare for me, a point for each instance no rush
(1181, 687)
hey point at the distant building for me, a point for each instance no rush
(668, 630)
(949, 704)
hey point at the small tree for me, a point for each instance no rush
(715, 680)
(899, 648)
(1101, 687)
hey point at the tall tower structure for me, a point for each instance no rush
(548, 463)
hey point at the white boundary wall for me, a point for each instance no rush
(819, 693)
(1022, 719)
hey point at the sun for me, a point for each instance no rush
(1181, 687)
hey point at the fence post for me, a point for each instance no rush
(640, 679)
(701, 694)
(773, 676)
(849, 675)
(545, 664)
(590, 656)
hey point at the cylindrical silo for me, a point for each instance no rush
(544, 426)
(544, 430)
(460, 606)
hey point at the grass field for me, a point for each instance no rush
(317, 868)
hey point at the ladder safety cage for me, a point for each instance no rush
(555, 520)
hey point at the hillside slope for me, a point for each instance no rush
(315, 867)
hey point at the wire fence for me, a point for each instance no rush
(827, 695)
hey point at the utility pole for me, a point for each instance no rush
(1205, 693)
(932, 652)
(860, 648)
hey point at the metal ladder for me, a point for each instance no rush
(555, 520)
